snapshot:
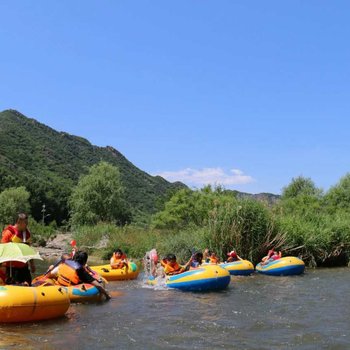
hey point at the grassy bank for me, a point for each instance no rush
(305, 222)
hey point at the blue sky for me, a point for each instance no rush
(245, 93)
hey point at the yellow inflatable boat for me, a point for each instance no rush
(83, 292)
(204, 278)
(23, 304)
(286, 266)
(110, 274)
(239, 267)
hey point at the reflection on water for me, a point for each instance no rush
(257, 312)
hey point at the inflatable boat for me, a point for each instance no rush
(203, 278)
(285, 266)
(83, 292)
(124, 273)
(239, 267)
(24, 304)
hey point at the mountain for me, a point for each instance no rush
(268, 198)
(49, 163)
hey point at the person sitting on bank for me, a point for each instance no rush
(73, 272)
(213, 259)
(272, 255)
(118, 260)
(19, 233)
(232, 256)
(171, 266)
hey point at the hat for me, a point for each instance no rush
(232, 252)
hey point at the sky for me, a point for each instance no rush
(246, 94)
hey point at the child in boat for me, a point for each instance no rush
(196, 260)
(272, 255)
(206, 255)
(73, 272)
(213, 259)
(232, 256)
(171, 266)
(118, 260)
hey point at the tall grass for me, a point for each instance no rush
(246, 226)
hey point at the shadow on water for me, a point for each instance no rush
(256, 312)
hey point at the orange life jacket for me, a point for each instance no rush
(67, 273)
(214, 260)
(168, 269)
(120, 262)
(18, 236)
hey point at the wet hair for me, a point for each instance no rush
(80, 257)
(171, 257)
(65, 256)
(198, 255)
(21, 217)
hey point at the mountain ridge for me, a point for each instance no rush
(49, 163)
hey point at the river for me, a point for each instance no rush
(257, 312)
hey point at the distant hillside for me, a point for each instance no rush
(268, 198)
(48, 163)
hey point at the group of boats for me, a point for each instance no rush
(217, 277)
(48, 300)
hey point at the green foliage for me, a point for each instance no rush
(244, 225)
(321, 241)
(98, 197)
(188, 207)
(338, 197)
(41, 233)
(49, 163)
(300, 186)
(14, 200)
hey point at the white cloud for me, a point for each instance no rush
(206, 176)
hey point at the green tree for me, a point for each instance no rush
(338, 196)
(99, 197)
(300, 186)
(301, 197)
(187, 207)
(13, 201)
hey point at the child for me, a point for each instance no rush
(118, 260)
(213, 259)
(232, 256)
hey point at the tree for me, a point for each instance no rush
(187, 207)
(301, 197)
(338, 196)
(99, 197)
(300, 186)
(13, 200)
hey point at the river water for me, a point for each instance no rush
(257, 312)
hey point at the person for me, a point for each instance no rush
(232, 256)
(196, 260)
(73, 272)
(19, 233)
(206, 255)
(272, 255)
(213, 259)
(171, 266)
(73, 244)
(118, 260)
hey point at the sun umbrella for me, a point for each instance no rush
(17, 252)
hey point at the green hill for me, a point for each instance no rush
(48, 163)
